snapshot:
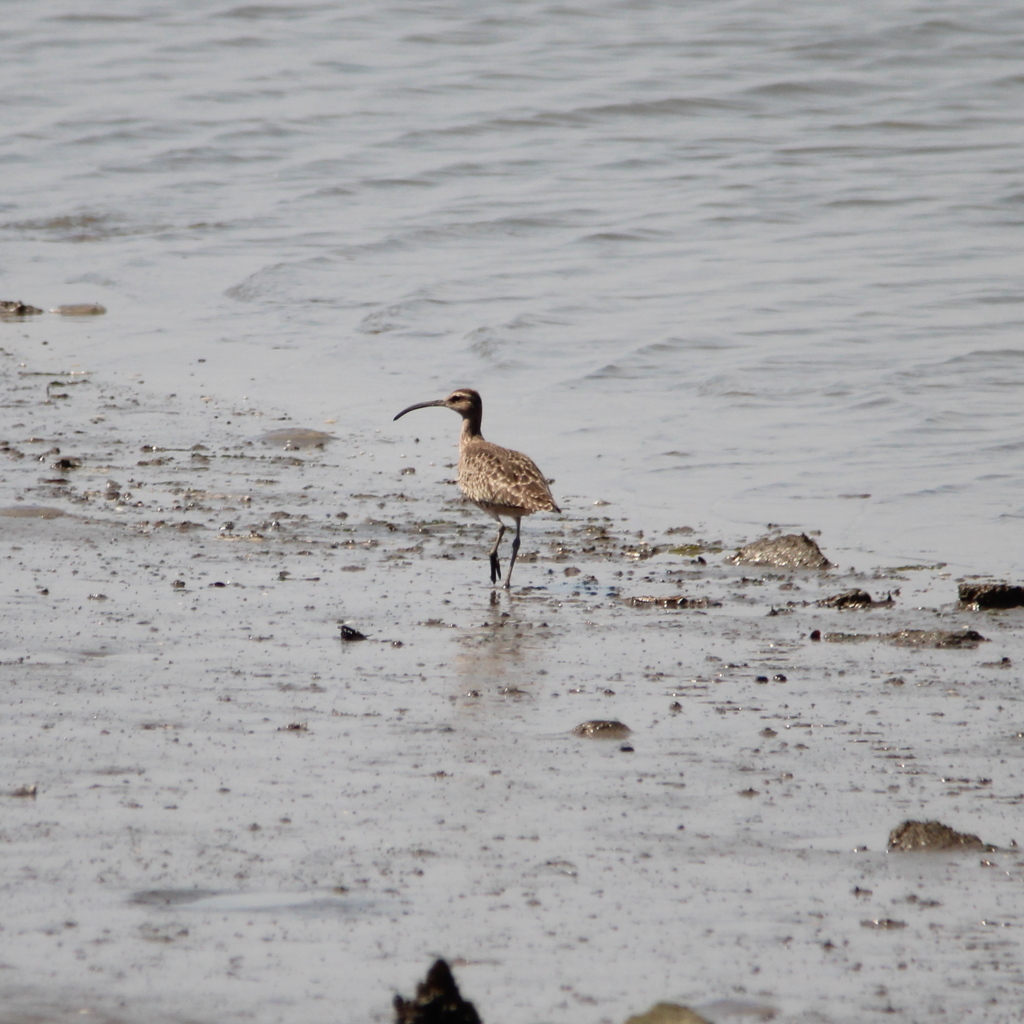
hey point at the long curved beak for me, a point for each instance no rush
(419, 405)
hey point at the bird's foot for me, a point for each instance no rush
(495, 569)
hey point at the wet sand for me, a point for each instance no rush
(227, 812)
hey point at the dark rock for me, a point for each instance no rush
(790, 551)
(348, 633)
(991, 595)
(437, 1001)
(933, 835)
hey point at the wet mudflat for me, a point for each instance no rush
(216, 808)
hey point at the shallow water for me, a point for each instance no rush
(715, 264)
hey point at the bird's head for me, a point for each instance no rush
(465, 401)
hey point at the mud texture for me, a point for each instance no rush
(270, 744)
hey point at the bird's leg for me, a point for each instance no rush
(515, 551)
(495, 564)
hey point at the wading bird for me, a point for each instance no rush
(498, 480)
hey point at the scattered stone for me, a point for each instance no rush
(933, 835)
(348, 633)
(676, 601)
(607, 729)
(853, 599)
(789, 551)
(668, 1013)
(991, 595)
(17, 308)
(883, 924)
(30, 791)
(437, 1001)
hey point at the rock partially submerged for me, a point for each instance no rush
(991, 595)
(437, 1001)
(789, 551)
(605, 729)
(668, 1013)
(933, 835)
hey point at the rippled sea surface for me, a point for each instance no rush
(719, 263)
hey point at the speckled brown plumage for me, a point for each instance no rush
(500, 481)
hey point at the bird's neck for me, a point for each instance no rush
(470, 428)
